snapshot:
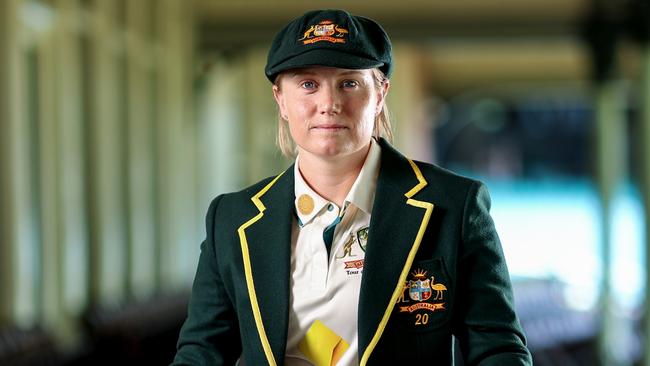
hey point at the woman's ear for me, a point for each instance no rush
(279, 99)
(381, 96)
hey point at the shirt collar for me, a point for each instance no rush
(362, 193)
(301, 189)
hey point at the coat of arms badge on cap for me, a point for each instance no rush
(332, 38)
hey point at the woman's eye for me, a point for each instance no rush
(350, 84)
(308, 85)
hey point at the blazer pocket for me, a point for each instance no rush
(425, 302)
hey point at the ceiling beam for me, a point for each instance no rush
(224, 24)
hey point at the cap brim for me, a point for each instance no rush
(323, 57)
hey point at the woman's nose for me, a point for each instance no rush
(329, 101)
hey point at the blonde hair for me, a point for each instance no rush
(382, 127)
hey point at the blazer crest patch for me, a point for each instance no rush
(423, 294)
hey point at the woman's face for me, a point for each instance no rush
(330, 111)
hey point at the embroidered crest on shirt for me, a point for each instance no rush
(362, 238)
(349, 249)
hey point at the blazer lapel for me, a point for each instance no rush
(266, 249)
(397, 225)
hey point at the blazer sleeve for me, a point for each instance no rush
(210, 334)
(486, 325)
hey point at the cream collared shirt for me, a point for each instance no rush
(325, 290)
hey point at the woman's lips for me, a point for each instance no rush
(329, 126)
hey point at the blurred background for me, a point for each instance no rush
(120, 120)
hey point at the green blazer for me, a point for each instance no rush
(433, 268)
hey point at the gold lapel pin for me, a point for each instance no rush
(305, 204)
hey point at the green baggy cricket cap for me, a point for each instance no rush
(332, 38)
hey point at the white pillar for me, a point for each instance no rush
(175, 148)
(20, 232)
(10, 119)
(406, 102)
(71, 178)
(106, 151)
(610, 171)
(260, 112)
(45, 121)
(140, 203)
(645, 189)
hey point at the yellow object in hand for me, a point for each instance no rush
(322, 346)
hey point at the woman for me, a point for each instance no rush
(355, 254)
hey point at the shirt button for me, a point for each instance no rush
(330, 207)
